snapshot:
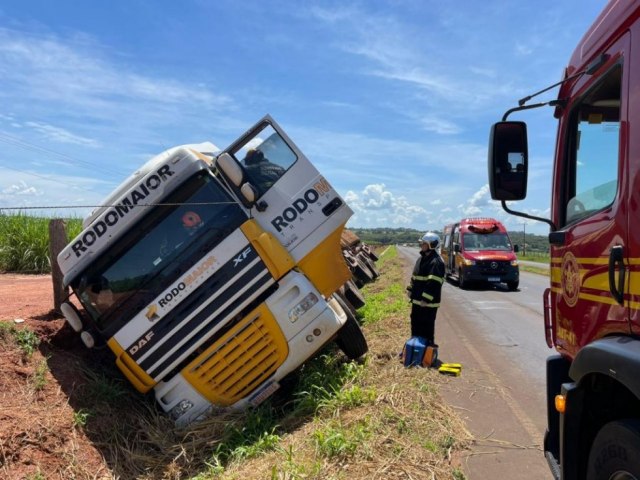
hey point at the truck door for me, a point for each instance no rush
(295, 203)
(590, 252)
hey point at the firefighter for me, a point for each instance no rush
(425, 288)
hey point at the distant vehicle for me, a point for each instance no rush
(480, 250)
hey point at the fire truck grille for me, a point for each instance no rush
(240, 362)
(493, 267)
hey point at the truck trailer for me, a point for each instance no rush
(211, 274)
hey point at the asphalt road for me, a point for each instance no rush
(498, 336)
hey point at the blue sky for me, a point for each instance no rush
(392, 100)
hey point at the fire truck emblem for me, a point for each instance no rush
(570, 280)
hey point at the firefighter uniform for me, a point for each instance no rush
(424, 291)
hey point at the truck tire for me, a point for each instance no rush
(345, 303)
(372, 255)
(353, 295)
(513, 286)
(350, 339)
(372, 266)
(615, 452)
(362, 273)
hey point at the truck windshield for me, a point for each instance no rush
(155, 252)
(491, 241)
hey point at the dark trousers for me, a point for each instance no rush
(423, 322)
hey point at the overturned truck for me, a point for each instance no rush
(212, 274)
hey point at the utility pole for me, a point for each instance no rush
(524, 239)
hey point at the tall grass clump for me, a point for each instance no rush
(24, 242)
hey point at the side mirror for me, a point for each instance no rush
(516, 249)
(230, 169)
(508, 161)
(250, 196)
(249, 193)
(456, 247)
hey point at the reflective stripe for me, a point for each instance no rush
(420, 303)
(428, 277)
(427, 296)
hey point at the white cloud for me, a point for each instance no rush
(61, 135)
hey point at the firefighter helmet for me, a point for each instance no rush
(431, 239)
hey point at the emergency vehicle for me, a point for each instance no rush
(209, 283)
(592, 307)
(480, 250)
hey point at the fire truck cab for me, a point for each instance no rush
(480, 250)
(592, 307)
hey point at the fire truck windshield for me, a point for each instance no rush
(492, 241)
(168, 240)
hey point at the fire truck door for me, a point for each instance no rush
(590, 266)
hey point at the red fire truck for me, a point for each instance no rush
(592, 308)
(480, 250)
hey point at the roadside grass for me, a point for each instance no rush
(532, 269)
(24, 242)
(26, 340)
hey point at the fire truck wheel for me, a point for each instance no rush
(513, 286)
(353, 295)
(615, 453)
(350, 337)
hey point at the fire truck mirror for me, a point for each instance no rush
(507, 161)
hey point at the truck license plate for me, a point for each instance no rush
(494, 279)
(263, 394)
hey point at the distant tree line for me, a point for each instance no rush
(392, 236)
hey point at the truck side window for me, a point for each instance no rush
(593, 169)
(265, 158)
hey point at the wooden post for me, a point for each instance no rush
(57, 241)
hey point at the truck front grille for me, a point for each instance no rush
(240, 361)
(493, 267)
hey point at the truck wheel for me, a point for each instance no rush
(350, 337)
(344, 303)
(362, 273)
(353, 295)
(372, 267)
(615, 453)
(513, 286)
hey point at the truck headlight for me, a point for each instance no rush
(303, 306)
(514, 263)
(181, 408)
(468, 261)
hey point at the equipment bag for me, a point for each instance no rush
(418, 352)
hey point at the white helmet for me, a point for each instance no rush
(432, 239)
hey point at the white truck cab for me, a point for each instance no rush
(210, 274)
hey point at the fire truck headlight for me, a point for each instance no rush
(468, 261)
(302, 307)
(181, 408)
(514, 263)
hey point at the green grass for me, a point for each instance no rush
(24, 242)
(24, 338)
